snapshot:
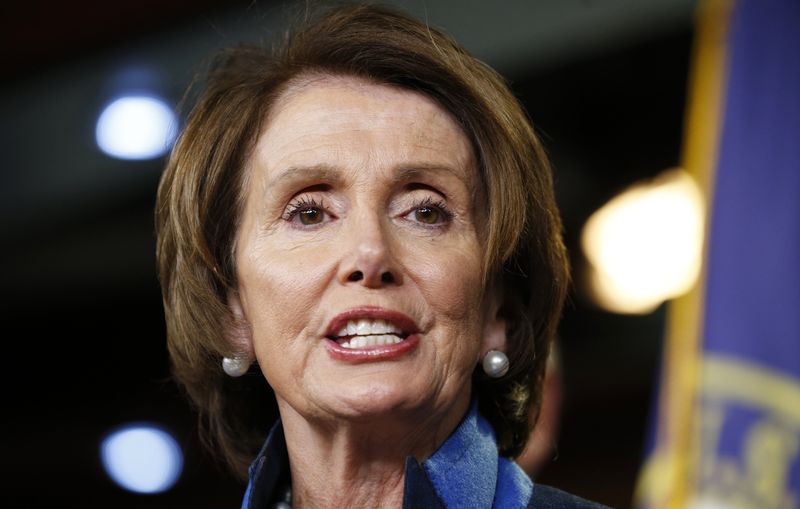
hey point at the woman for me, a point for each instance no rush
(365, 217)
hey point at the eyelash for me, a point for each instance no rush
(301, 204)
(437, 204)
(307, 202)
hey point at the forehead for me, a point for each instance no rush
(354, 123)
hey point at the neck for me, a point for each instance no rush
(337, 463)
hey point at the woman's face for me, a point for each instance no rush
(359, 254)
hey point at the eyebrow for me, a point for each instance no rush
(407, 172)
(318, 172)
(332, 174)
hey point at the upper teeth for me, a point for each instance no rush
(366, 327)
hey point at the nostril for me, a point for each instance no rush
(356, 276)
(387, 277)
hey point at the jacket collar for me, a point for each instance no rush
(270, 466)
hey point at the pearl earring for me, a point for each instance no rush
(237, 365)
(495, 364)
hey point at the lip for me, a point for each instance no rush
(405, 323)
(372, 353)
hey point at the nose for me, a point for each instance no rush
(368, 258)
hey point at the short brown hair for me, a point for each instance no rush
(200, 201)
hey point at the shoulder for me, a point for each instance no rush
(545, 497)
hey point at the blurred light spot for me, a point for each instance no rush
(645, 245)
(136, 127)
(142, 458)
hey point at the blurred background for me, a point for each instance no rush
(603, 81)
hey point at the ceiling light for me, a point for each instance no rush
(142, 458)
(645, 245)
(136, 127)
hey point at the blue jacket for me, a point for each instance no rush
(465, 472)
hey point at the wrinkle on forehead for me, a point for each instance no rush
(377, 128)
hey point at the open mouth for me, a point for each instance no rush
(367, 332)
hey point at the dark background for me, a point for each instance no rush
(604, 83)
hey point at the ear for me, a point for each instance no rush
(494, 329)
(237, 330)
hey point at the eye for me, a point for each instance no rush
(310, 216)
(427, 215)
(306, 211)
(430, 213)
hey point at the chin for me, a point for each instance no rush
(378, 400)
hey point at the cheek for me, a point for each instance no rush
(451, 284)
(281, 288)
(451, 280)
